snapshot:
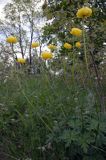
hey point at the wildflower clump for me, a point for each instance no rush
(35, 44)
(67, 46)
(51, 46)
(11, 39)
(78, 44)
(76, 32)
(21, 60)
(46, 55)
(84, 12)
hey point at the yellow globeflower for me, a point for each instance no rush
(67, 46)
(21, 60)
(35, 44)
(46, 55)
(51, 46)
(76, 32)
(78, 44)
(11, 39)
(84, 12)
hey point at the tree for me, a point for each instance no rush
(21, 19)
(61, 16)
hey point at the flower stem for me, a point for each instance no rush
(73, 66)
(85, 51)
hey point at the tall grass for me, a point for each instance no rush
(46, 117)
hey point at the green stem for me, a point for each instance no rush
(82, 119)
(64, 66)
(12, 47)
(85, 51)
(42, 120)
(73, 65)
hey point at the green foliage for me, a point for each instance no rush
(63, 16)
(47, 118)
